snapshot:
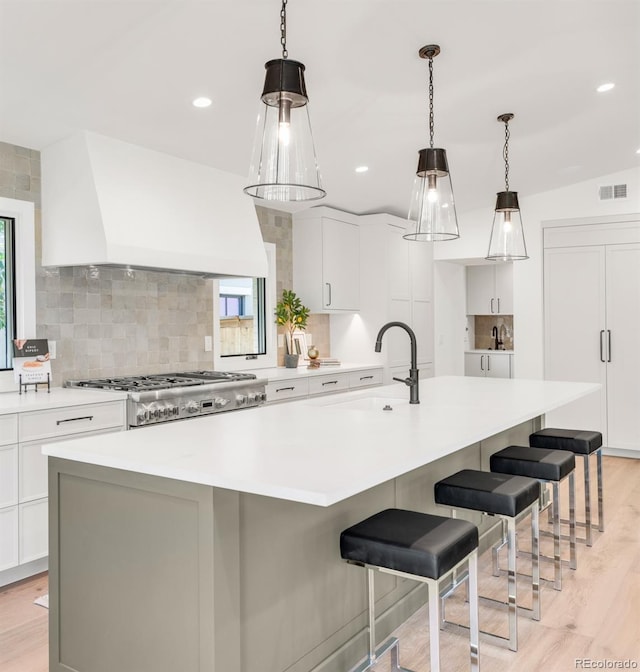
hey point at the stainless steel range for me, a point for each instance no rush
(164, 397)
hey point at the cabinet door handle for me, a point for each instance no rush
(329, 286)
(330, 382)
(284, 389)
(492, 305)
(84, 417)
(498, 304)
(482, 361)
(366, 377)
(609, 345)
(601, 348)
(488, 362)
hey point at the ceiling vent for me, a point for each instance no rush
(611, 192)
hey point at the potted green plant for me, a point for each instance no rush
(293, 316)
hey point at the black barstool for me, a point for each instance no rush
(546, 466)
(510, 498)
(416, 546)
(583, 443)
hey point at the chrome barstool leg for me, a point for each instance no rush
(434, 627)
(600, 491)
(371, 601)
(573, 560)
(557, 558)
(535, 563)
(512, 602)
(474, 625)
(587, 500)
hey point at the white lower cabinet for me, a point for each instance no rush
(317, 384)
(487, 365)
(33, 532)
(8, 537)
(24, 476)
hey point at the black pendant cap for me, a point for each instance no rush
(284, 77)
(507, 201)
(432, 162)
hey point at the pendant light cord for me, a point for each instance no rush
(283, 29)
(431, 101)
(505, 155)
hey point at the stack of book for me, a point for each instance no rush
(328, 361)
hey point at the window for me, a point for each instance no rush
(7, 291)
(18, 280)
(244, 328)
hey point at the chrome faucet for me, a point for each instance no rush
(412, 380)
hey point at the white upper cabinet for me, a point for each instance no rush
(326, 260)
(490, 289)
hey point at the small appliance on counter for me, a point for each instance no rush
(164, 397)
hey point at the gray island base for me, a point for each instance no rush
(156, 574)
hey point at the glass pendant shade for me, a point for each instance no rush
(507, 235)
(432, 213)
(284, 165)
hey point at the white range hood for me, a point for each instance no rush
(107, 202)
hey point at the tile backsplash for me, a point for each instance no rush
(483, 327)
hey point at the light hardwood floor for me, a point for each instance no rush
(595, 618)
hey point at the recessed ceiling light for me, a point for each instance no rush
(605, 87)
(637, 151)
(202, 102)
(362, 169)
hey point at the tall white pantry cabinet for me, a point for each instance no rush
(592, 325)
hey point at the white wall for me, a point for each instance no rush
(575, 201)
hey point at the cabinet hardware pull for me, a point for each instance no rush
(498, 304)
(84, 417)
(284, 389)
(482, 359)
(601, 349)
(488, 362)
(609, 345)
(492, 305)
(330, 382)
(366, 377)
(329, 286)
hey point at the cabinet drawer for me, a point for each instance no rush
(8, 429)
(328, 383)
(364, 378)
(287, 389)
(71, 420)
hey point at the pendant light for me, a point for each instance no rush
(284, 165)
(432, 213)
(507, 235)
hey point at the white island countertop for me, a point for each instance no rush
(323, 450)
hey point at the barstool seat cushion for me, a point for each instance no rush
(409, 541)
(487, 491)
(548, 465)
(583, 442)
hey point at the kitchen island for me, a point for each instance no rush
(212, 544)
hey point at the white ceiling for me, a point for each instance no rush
(130, 68)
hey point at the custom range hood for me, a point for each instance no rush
(107, 202)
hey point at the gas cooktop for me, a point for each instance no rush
(160, 381)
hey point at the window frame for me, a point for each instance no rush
(240, 362)
(23, 214)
